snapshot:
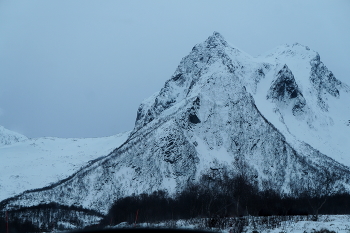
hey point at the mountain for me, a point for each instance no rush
(282, 118)
(34, 163)
(320, 112)
(8, 137)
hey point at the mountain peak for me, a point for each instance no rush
(216, 40)
(287, 51)
(210, 54)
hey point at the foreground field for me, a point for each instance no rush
(271, 224)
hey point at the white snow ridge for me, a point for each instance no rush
(282, 114)
(35, 163)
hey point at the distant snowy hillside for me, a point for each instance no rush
(35, 163)
(8, 137)
(282, 119)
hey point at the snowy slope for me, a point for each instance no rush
(222, 110)
(324, 119)
(8, 137)
(35, 163)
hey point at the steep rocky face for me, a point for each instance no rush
(203, 121)
(285, 90)
(324, 82)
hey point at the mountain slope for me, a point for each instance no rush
(320, 114)
(34, 163)
(221, 110)
(8, 137)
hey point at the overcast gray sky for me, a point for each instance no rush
(81, 68)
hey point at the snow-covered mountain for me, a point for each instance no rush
(314, 108)
(278, 116)
(35, 163)
(8, 137)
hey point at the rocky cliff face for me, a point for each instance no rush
(221, 108)
(324, 83)
(284, 89)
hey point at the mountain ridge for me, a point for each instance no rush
(25, 162)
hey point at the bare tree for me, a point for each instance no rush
(242, 188)
(319, 189)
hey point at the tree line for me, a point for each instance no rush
(213, 197)
(45, 218)
(15, 225)
(222, 197)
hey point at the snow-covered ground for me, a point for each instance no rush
(35, 163)
(296, 224)
(337, 223)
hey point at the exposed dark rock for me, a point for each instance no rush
(194, 119)
(285, 89)
(324, 82)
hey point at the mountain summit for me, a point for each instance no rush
(278, 116)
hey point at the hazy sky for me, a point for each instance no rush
(81, 68)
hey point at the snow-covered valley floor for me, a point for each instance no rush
(273, 224)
